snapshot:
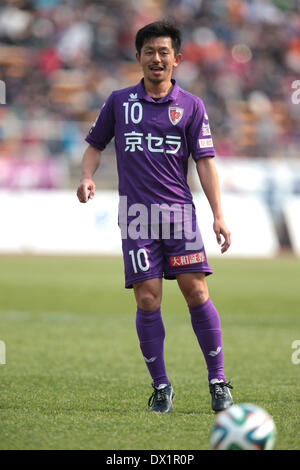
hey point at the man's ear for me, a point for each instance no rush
(178, 59)
(138, 57)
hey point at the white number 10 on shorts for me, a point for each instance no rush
(141, 258)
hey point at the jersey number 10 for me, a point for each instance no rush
(135, 113)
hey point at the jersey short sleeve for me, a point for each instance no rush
(199, 137)
(103, 129)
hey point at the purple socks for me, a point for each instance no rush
(206, 324)
(151, 333)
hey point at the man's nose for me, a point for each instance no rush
(156, 57)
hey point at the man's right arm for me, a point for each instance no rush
(90, 163)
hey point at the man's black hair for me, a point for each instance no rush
(159, 29)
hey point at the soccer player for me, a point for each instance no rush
(157, 126)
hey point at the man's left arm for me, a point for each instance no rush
(210, 183)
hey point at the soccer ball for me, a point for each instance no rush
(243, 427)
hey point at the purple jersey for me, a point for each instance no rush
(153, 142)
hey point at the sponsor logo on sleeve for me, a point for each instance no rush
(205, 129)
(205, 143)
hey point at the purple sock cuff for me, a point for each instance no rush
(147, 312)
(199, 308)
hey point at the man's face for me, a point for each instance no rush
(158, 58)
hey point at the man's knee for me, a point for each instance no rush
(196, 296)
(148, 301)
(194, 288)
(148, 295)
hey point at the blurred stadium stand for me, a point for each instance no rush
(59, 61)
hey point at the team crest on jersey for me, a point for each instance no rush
(175, 114)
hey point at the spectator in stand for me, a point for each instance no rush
(57, 59)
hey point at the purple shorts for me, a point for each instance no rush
(148, 258)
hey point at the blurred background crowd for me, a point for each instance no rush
(59, 60)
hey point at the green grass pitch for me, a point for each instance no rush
(74, 376)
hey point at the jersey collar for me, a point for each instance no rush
(172, 95)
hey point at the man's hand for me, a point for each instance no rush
(86, 190)
(220, 228)
(90, 163)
